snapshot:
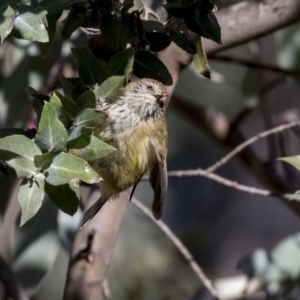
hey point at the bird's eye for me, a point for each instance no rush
(150, 87)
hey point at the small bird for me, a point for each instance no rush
(137, 128)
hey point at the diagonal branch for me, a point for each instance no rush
(250, 141)
(180, 246)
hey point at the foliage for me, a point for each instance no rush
(279, 269)
(57, 157)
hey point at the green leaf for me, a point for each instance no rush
(90, 118)
(293, 160)
(51, 24)
(183, 40)
(138, 5)
(23, 167)
(158, 41)
(96, 149)
(69, 105)
(178, 9)
(51, 133)
(44, 161)
(67, 85)
(60, 111)
(254, 264)
(20, 145)
(199, 60)
(87, 100)
(66, 167)
(79, 137)
(121, 63)
(111, 28)
(153, 17)
(284, 256)
(110, 88)
(30, 25)
(30, 196)
(204, 24)
(153, 26)
(73, 21)
(90, 69)
(7, 16)
(65, 196)
(147, 65)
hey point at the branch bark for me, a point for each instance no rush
(92, 250)
(245, 21)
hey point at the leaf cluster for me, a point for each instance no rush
(123, 24)
(57, 157)
(278, 269)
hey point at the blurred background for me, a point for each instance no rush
(218, 224)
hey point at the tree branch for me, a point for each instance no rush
(248, 20)
(248, 142)
(92, 250)
(180, 246)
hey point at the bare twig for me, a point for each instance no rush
(180, 246)
(229, 183)
(250, 141)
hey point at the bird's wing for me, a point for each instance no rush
(159, 182)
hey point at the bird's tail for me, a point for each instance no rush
(91, 212)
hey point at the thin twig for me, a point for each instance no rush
(180, 246)
(248, 142)
(230, 183)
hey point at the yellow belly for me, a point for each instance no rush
(133, 157)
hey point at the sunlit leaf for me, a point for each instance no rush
(199, 59)
(30, 196)
(284, 256)
(51, 27)
(20, 145)
(7, 16)
(90, 118)
(51, 132)
(79, 137)
(30, 25)
(66, 167)
(293, 160)
(43, 161)
(96, 149)
(110, 88)
(22, 166)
